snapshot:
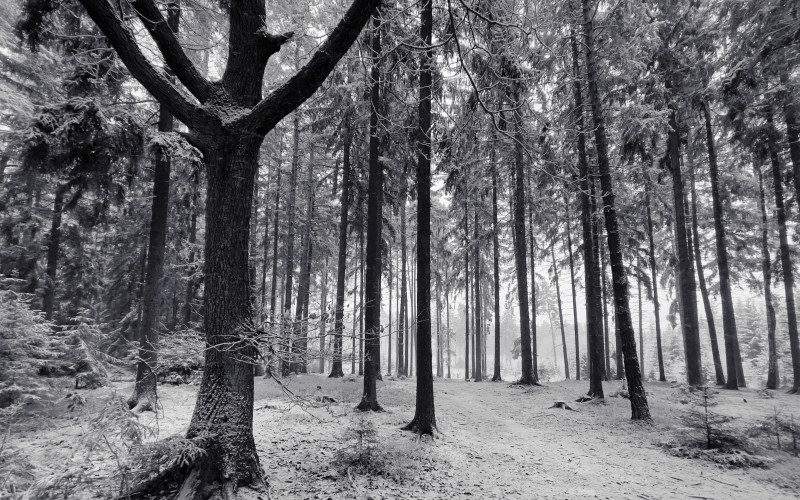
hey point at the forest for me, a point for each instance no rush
(413, 249)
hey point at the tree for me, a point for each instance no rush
(229, 141)
(424, 420)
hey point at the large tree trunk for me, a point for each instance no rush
(594, 333)
(730, 335)
(638, 398)
(786, 260)
(424, 420)
(686, 281)
(53, 247)
(144, 397)
(560, 313)
(654, 280)
(341, 266)
(372, 311)
(773, 379)
(528, 377)
(701, 282)
(223, 416)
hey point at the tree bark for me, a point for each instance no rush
(145, 395)
(402, 327)
(496, 377)
(466, 286)
(560, 314)
(53, 247)
(424, 420)
(288, 347)
(574, 301)
(341, 266)
(477, 351)
(773, 378)
(638, 398)
(701, 282)
(786, 260)
(654, 279)
(372, 295)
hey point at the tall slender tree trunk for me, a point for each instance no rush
(687, 285)
(402, 327)
(299, 334)
(701, 282)
(424, 420)
(791, 114)
(372, 293)
(275, 237)
(341, 266)
(389, 356)
(478, 343)
(265, 256)
(466, 288)
(594, 333)
(144, 397)
(638, 398)
(361, 302)
(773, 378)
(190, 281)
(529, 376)
(323, 316)
(447, 317)
(289, 243)
(496, 377)
(439, 350)
(654, 280)
(730, 334)
(560, 313)
(786, 260)
(604, 290)
(641, 327)
(534, 308)
(574, 302)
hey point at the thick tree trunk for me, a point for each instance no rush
(786, 260)
(223, 415)
(730, 334)
(53, 247)
(594, 333)
(638, 398)
(560, 313)
(701, 282)
(372, 311)
(144, 397)
(424, 420)
(496, 377)
(341, 266)
(773, 378)
(687, 285)
(528, 377)
(654, 280)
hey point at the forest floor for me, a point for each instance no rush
(494, 441)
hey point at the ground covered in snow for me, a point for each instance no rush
(494, 441)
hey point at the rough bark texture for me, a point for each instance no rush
(730, 334)
(773, 378)
(424, 421)
(638, 398)
(288, 324)
(341, 266)
(372, 292)
(786, 260)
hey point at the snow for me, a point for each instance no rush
(494, 441)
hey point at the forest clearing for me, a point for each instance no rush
(494, 441)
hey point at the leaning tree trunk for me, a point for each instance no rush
(654, 280)
(529, 377)
(773, 379)
(730, 335)
(687, 284)
(372, 292)
(144, 397)
(701, 282)
(594, 333)
(424, 420)
(638, 398)
(786, 260)
(53, 247)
